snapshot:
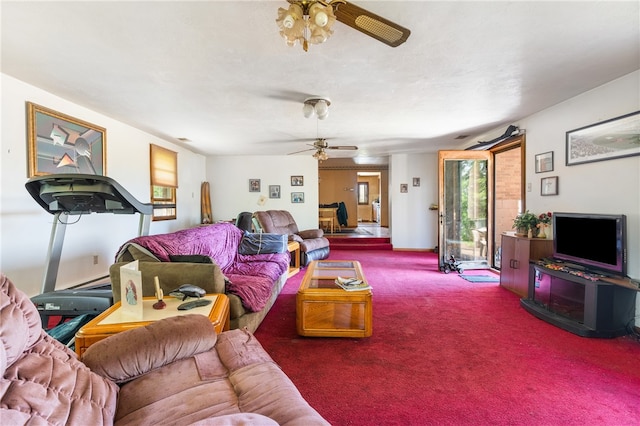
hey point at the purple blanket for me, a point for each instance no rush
(252, 276)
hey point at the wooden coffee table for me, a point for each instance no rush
(112, 321)
(325, 309)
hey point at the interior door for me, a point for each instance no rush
(465, 182)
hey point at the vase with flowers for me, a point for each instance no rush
(526, 223)
(544, 225)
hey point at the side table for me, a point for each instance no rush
(112, 321)
(294, 249)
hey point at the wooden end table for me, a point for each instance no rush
(294, 250)
(325, 309)
(112, 321)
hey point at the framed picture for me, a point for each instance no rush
(544, 162)
(274, 191)
(404, 187)
(297, 180)
(416, 181)
(614, 138)
(549, 185)
(254, 185)
(297, 197)
(58, 143)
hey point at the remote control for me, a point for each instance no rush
(193, 304)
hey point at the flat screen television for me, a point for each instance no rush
(596, 242)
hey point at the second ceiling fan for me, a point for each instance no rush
(320, 145)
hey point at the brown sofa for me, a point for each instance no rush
(176, 371)
(313, 244)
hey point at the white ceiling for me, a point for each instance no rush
(219, 74)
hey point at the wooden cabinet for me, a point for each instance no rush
(514, 261)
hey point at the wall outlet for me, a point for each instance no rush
(529, 187)
(95, 259)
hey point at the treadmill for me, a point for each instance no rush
(65, 195)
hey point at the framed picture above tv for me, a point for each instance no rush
(615, 138)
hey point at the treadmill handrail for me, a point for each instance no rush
(105, 194)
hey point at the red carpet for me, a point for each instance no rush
(446, 351)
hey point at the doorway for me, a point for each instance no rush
(480, 194)
(465, 183)
(368, 198)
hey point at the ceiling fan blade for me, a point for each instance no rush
(352, 147)
(304, 150)
(371, 24)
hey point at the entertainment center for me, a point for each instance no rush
(583, 288)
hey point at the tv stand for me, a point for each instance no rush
(578, 301)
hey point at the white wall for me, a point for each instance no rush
(229, 176)
(413, 225)
(611, 186)
(26, 227)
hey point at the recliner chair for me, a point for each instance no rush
(313, 244)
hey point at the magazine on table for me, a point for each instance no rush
(352, 284)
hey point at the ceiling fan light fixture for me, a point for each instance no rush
(321, 155)
(322, 109)
(316, 105)
(318, 15)
(306, 22)
(307, 110)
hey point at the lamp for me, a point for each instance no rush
(306, 21)
(316, 105)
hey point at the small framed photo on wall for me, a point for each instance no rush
(544, 162)
(404, 187)
(297, 197)
(549, 185)
(274, 191)
(416, 181)
(254, 185)
(297, 180)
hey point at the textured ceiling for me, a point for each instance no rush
(219, 74)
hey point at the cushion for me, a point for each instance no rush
(20, 323)
(261, 243)
(127, 355)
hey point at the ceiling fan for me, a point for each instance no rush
(320, 145)
(311, 21)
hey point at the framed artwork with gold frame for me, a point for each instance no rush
(58, 143)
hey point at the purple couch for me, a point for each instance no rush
(252, 282)
(176, 371)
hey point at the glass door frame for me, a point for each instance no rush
(444, 156)
(517, 142)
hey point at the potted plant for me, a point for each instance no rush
(525, 222)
